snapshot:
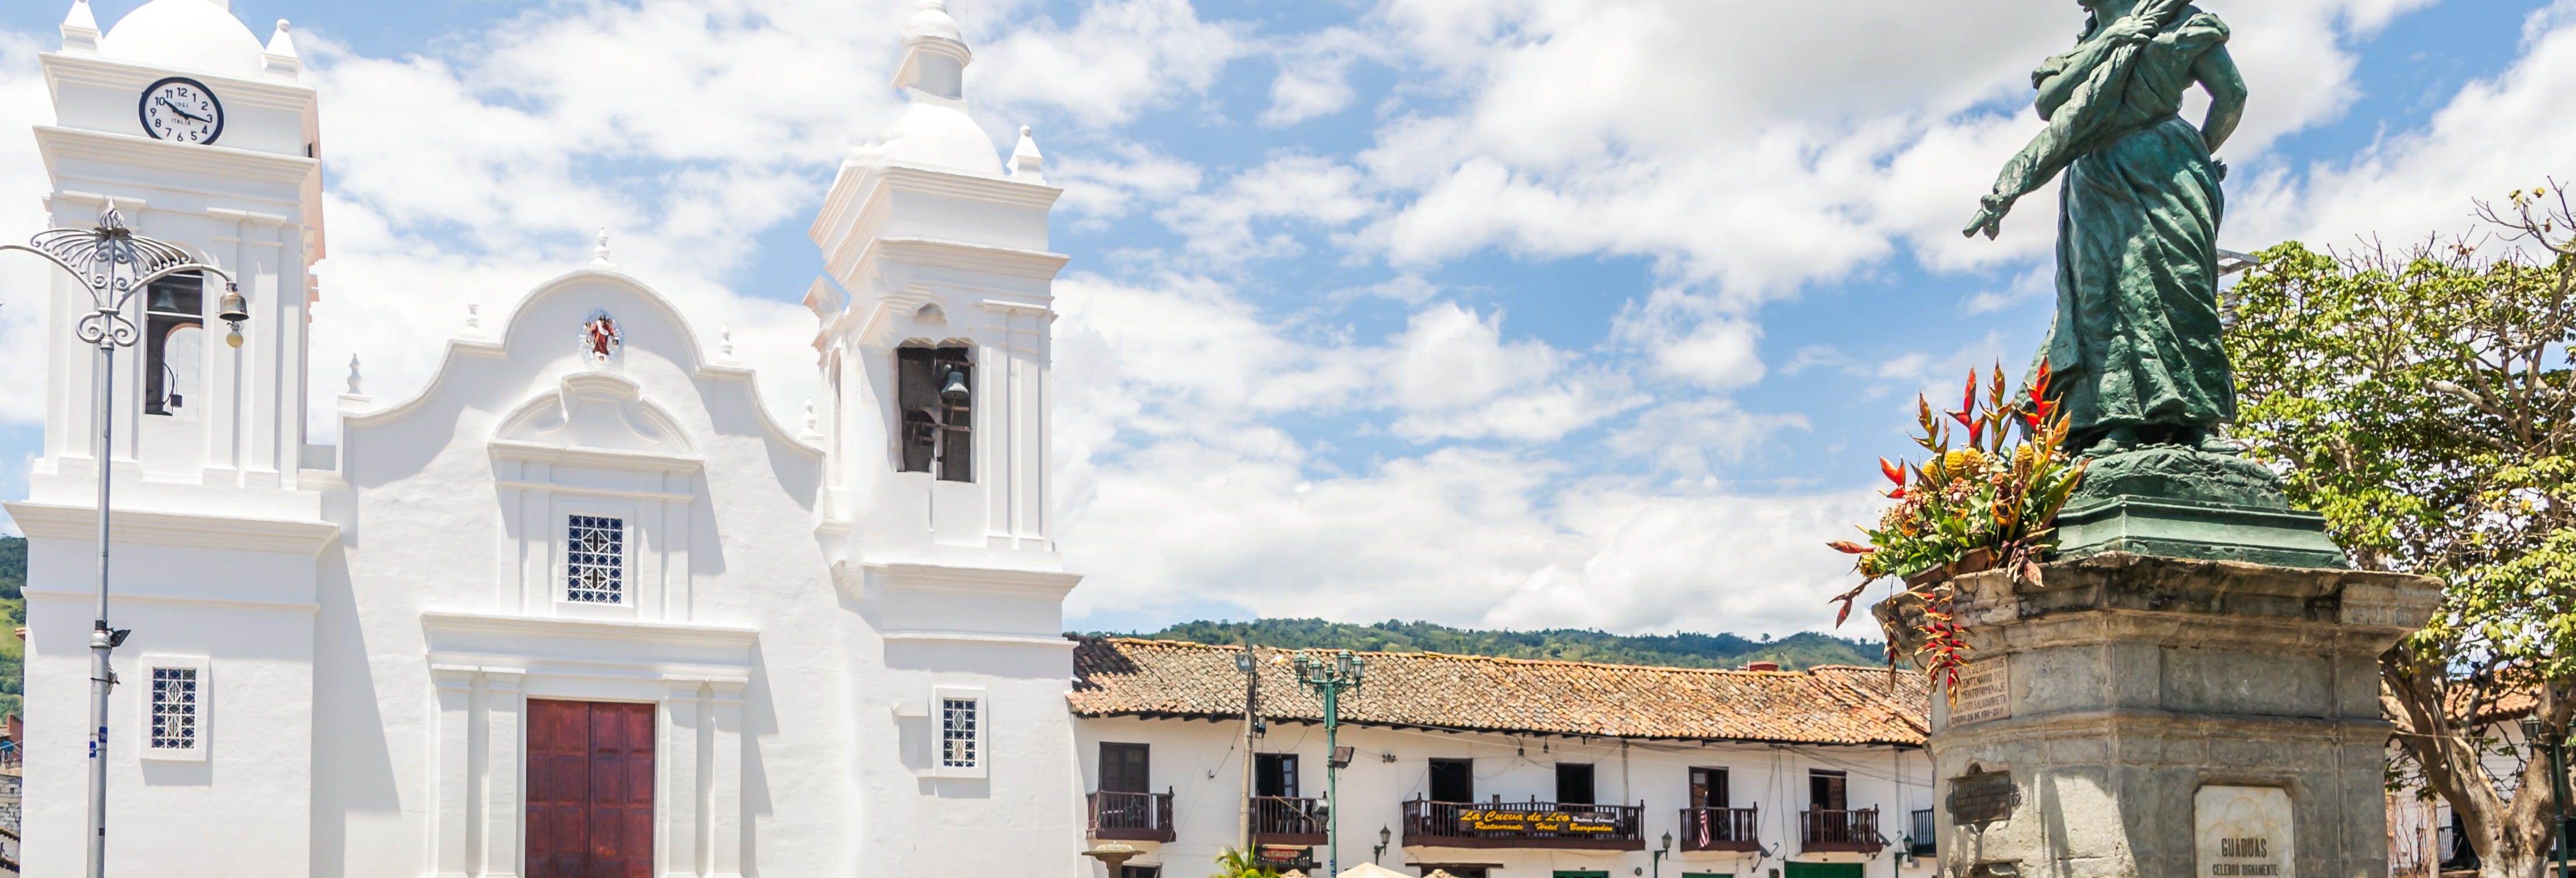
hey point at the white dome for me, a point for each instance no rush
(931, 19)
(192, 35)
(933, 134)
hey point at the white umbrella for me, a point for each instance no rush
(1371, 870)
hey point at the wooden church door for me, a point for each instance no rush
(590, 789)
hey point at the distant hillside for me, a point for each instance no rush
(1685, 650)
(13, 612)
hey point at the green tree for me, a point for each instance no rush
(2424, 403)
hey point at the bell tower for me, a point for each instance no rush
(936, 327)
(202, 137)
(936, 320)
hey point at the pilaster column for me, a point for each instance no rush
(506, 764)
(724, 775)
(455, 767)
(682, 818)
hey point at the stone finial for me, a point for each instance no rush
(280, 59)
(813, 425)
(599, 256)
(1026, 161)
(473, 320)
(357, 384)
(724, 343)
(80, 29)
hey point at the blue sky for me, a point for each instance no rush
(1491, 312)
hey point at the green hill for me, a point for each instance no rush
(13, 612)
(1684, 650)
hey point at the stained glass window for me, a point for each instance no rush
(595, 560)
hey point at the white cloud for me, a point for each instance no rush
(1121, 57)
(1221, 225)
(1314, 75)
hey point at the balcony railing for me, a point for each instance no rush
(1287, 821)
(1531, 824)
(1720, 829)
(1821, 831)
(1131, 816)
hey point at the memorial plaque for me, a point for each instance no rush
(1981, 797)
(2243, 832)
(1984, 693)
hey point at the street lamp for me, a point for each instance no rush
(1329, 679)
(113, 263)
(1385, 837)
(2533, 730)
(1656, 857)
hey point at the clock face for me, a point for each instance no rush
(181, 109)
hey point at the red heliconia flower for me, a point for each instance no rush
(1893, 472)
(1898, 494)
(2033, 420)
(1968, 400)
(1977, 432)
(1848, 547)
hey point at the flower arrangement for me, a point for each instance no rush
(1988, 503)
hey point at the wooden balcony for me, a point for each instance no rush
(1287, 821)
(1131, 816)
(1533, 824)
(1826, 831)
(1720, 829)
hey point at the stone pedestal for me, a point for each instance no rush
(2164, 717)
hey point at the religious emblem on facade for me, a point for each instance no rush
(600, 337)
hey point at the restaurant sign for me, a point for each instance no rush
(1483, 820)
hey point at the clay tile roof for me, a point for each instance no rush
(1116, 676)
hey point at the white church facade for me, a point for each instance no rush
(580, 606)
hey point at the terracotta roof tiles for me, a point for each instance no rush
(1838, 705)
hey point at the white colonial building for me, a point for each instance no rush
(580, 606)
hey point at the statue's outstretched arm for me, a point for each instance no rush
(2217, 74)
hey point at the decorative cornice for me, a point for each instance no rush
(986, 580)
(287, 170)
(942, 253)
(602, 458)
(538, 628)
(62, 69)
(59, 522)
(1041, 640)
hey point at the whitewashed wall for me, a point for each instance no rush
(1201, 763)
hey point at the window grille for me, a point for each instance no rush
(595, 560)
(957, 733)
(174, 708)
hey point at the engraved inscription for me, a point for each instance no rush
(1985, 693)
(1982, 797)
(2243, 832)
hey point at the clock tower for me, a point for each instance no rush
(198, 133)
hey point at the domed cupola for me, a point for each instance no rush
(196, 36)
(935, 131)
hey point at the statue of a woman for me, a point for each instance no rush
(2135, 347)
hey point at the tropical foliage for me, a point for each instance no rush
(1986, 502)
(1233, 863)
(2424, 402)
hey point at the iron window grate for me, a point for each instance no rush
(595, 560)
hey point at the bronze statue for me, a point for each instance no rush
(2135, 346)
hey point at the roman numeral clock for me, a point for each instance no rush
(181, 109)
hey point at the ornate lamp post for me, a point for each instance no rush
(113, 263)
(1328, 679)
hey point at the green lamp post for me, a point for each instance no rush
(1329, 679)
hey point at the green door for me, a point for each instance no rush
(1822, 870)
